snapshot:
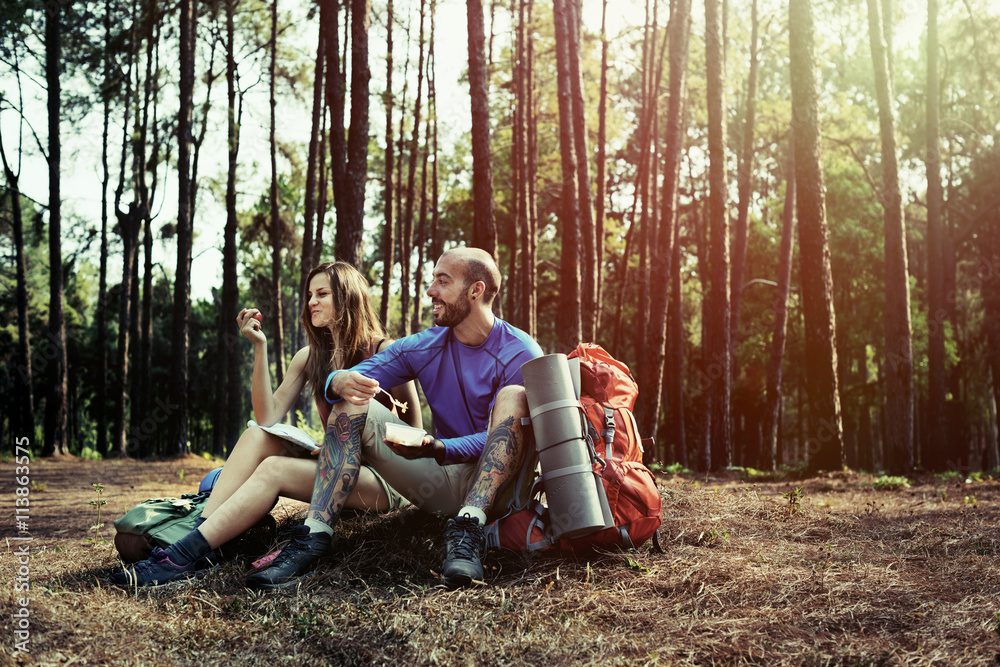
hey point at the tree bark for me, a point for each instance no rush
(655, 353)
(389, 228)
(484, 233)
(23, 418)
(56, 435)
(335, 98)
(899, 389)
(568, 320)
(772, 404)
(231, 380)
(825, 449)
(602, 146)
(936, 442)
(182, 284)
(745, 178)
(588, 234)
(529, 235)
(276, 311)
(719, 351)
(406, 237)
(350, 230)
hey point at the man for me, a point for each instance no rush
(469, 367)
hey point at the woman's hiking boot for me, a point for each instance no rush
(297, 558)
(465, 547)
(158, 570)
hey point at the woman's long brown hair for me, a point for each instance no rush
(347, 339)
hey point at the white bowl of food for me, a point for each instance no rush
(404, 435)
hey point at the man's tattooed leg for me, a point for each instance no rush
(501, 459)
(339, 464)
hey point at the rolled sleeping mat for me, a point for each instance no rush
(573, 492)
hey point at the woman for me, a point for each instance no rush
(342, 329)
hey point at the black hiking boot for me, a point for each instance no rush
(465, 546)
(297, 559)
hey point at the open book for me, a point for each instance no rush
(292, 434)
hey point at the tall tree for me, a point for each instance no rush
(568, 321)
(484, 233)
(745, 185)
(772, 400)
(529, 240)
(826, 438)
(56, 435)
(182, 282)
(24, 409)
(230, 380)
(406, 235)
(718, 348)
(518, 171)
(936, 440)
(350, 230)
(898, 333)
(588, 234)
(602, 162)
(388, 229)
(656, 350)
(312, 167)
(276, 314)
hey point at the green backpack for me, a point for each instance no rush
(157, 522)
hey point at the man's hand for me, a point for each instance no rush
(429, 448)
(354, 387)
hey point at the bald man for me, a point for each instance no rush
(469, 367)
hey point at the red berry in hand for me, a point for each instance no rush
(258, 317)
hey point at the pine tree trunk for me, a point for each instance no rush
(825, 450)
(231, 380)
(898, 333)
(588, 235)
(484, 224)
(937, 309)
(568, 320)
(745, 178)
(335, 98)
(389, 228)
(719, 362)
(182, 284)
(315, 137)
(676, 433)
(772, 400)
(407, 235)
(518, 172)
(23, 417)
(529, 236)
(276, 311)
(602, 145)
(655, 353)
(350, 231)
(57, 381)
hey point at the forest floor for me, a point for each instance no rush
(841, 573)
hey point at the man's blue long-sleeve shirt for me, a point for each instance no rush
(460, 382)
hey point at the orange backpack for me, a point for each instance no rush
(608, 394)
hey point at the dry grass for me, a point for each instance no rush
(855, 576)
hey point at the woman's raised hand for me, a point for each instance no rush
(249, 323)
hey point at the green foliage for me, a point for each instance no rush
(98, 503)
(890, 483)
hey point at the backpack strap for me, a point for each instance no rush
(540, 512)
(609, 431)
(626, 539)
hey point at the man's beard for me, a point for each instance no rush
(452, 315)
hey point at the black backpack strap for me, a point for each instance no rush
(656, 542)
